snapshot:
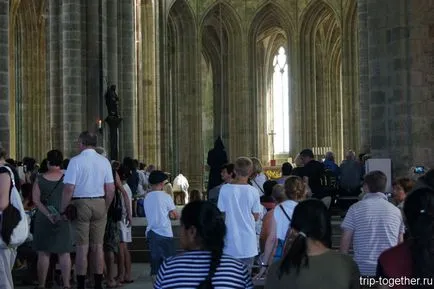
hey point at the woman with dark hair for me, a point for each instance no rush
(52, 235)
(414, 258)
(203, 265)
(309, 262)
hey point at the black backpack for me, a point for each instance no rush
(329, 181)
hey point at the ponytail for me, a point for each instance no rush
(216, 256)
(296, 257)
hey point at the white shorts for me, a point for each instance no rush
(125, 233)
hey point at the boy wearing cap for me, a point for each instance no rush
(159, 210)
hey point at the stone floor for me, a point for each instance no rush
(140, 276)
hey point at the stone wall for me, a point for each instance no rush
(4, 76)
(400, 89)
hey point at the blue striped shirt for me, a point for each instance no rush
(376, 225)
(189, 269)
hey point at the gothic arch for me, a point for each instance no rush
(270, 29)
(221, 41)
(29, 104)
(321, 37)
(180, 97)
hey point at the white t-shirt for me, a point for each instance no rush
(125, 230)
(157, 205)
(142, 187)
(89, 171)
(239, 202)
(282, 222)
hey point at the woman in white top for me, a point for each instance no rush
(258, 178)
(295, 191)
(124, 257)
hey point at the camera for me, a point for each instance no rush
(419, 170)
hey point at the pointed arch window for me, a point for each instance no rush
(280, 100)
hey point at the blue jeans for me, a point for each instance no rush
(161, 248)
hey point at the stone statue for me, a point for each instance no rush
(112, 101)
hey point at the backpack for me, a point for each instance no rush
(329, 181)
(14, 223)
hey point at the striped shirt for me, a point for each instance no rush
(376, 225)
(189, 269)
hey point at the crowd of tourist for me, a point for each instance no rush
(247, 230)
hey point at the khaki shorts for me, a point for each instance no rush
(91, 221)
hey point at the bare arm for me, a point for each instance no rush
(68, 190)
(401, 238)
(173, 215)
(109, 189)
(270, 244)
(36, 195)
(127, 202)
(346, 240)
(5, 184)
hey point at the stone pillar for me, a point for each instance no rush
(365, 137)
(149, 149)
(112, 44)
(72, 74)
(400, 37)
(55, 74)
(95, 87)
(127, 78)
(4, 74)
(420, 80)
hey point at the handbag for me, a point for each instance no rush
(70, 212)
(45, 203)
(14, 223)
(115, 209)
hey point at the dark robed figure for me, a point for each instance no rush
(217, 157)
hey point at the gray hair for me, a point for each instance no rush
(330, 156)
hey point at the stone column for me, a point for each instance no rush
(112, 44)
(420, 79)
(4, 74)
(72, 74)
(148, 125)
(95, 87)
(55, 74)
(127, 78)
(365, 138)
(392, 124)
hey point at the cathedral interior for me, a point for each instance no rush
(271, 77)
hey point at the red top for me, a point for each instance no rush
(396, 262)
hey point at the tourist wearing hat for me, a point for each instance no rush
(159, 210)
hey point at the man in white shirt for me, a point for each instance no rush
(372, 225)
(240, 203)
(159, 210)
(89, 184)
